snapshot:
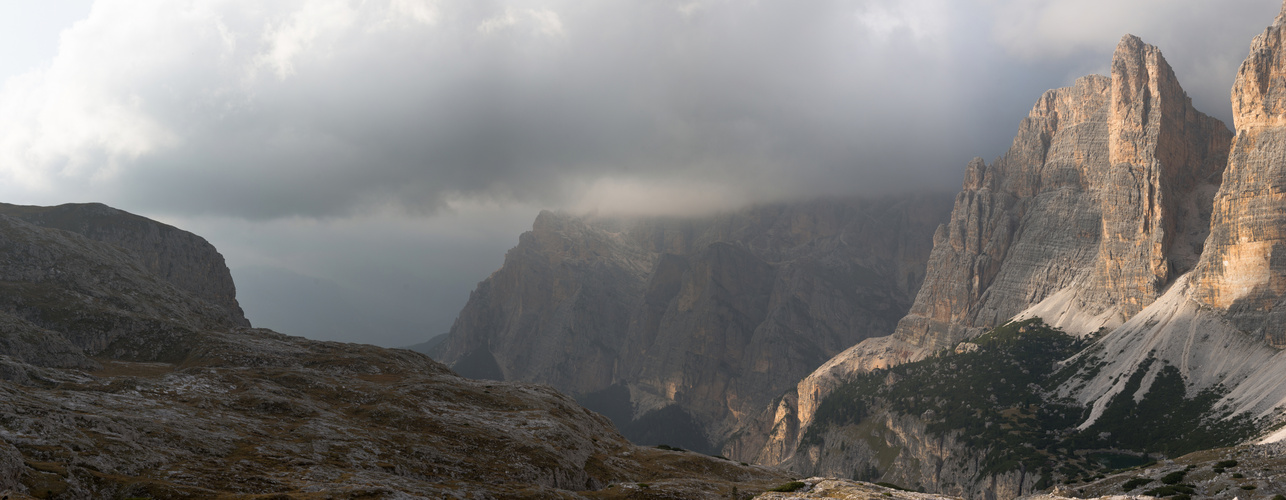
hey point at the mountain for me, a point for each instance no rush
(680, 328)
(1219, 326)
(124, 373)
(1103, 199)
(1128, 303)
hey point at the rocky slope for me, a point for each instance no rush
(118, 383)
(680, 328)
(1252, 471)
(64, 296)
(1197, 361)
(252, 412)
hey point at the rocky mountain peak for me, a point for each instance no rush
(1102, 200)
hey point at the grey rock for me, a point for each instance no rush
(186, 260)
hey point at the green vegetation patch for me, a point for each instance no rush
(1174, 477)
(1171, 490)
(1165, 420)
(1135, 483)
(789, 487)
(997, 399)
(992, 396)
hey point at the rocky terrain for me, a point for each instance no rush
(1251, 471)
(680, 329)
(118, 383)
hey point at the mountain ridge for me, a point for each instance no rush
(709, 316)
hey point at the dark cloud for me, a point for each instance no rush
(331, 113)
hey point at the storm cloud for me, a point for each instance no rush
(348, 123)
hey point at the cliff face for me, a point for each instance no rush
(1222, 325)
(715, 316)
(1102, 200)
(65, 296)
(1243, 272)
(185, 260)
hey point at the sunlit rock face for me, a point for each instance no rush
(1243, 271)
(1106, 190)
(1103, 199)
(714, 316)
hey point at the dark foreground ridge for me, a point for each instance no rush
(117, 382)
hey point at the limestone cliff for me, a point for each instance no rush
(1243, 272)
(714, 316)
(1102, 200)
(1222, 325)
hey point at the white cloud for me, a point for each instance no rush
(923, 20)
(505, 20)
(1057, 28)
(421, 11)
(302, 32)
(541, 21)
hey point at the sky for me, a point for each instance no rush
(363, 164)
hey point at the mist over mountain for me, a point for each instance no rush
(680, 327)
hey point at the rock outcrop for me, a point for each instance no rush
(185, 260)
(712, 316)
(1103, 199)
(1251, 471)
(64, 296)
